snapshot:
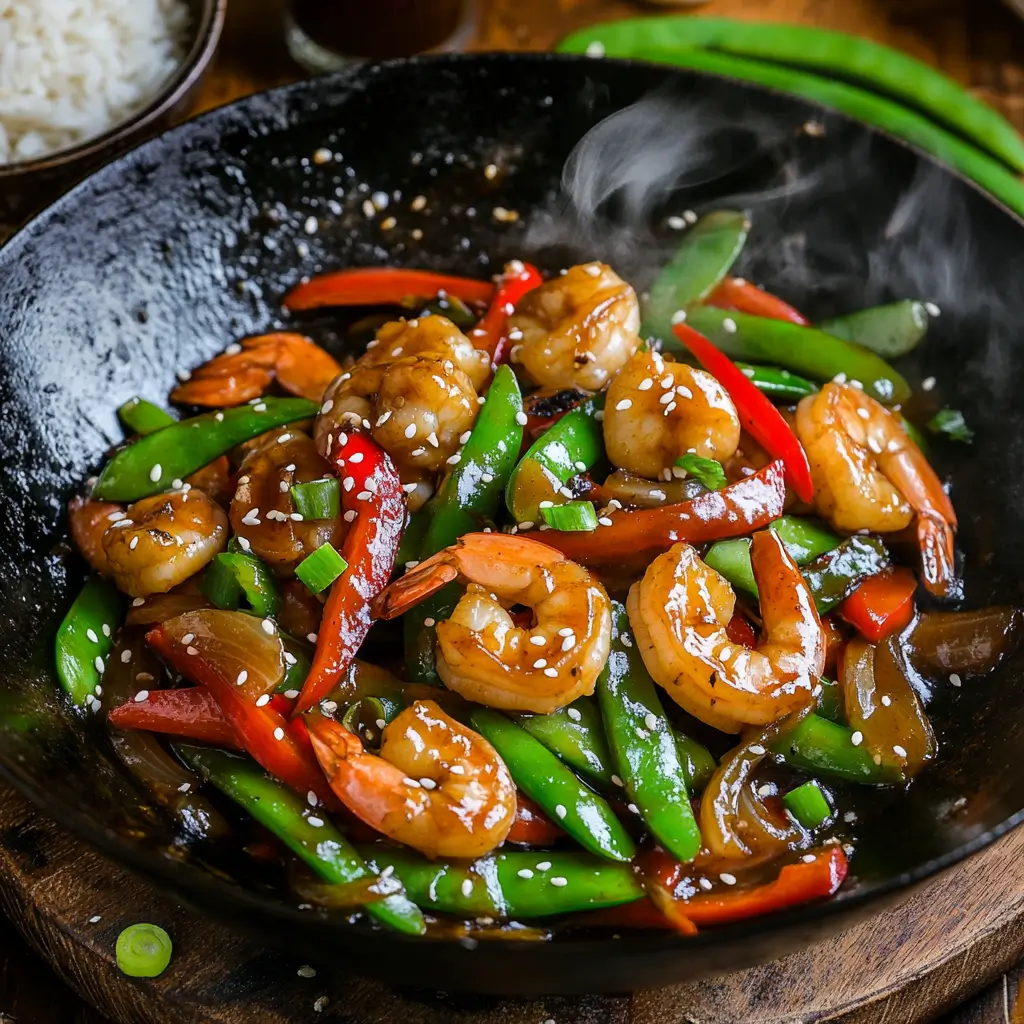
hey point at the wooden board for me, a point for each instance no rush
(904, 966)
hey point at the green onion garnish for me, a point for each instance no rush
(142, 417)
(572, 517)
(368, 711)
(318, 499)
(707, 471)
(220, 585)
(808, 805)
(252, 581)
(320, 569)
(143, 951)
(951, 423)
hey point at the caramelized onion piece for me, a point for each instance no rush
(970, 643)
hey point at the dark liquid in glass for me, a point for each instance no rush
(377, 28)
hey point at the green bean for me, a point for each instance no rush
(837, 55)
(891, 331)
(698, 764)
(85, 638)
(574, 734)
(142, 417)
(778, 383)
(824, 748)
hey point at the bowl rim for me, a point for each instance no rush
(191, 67)
(190, 882)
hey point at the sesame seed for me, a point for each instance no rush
(651, 720)
(683, 391)
(369, 211)
(305, 971)
(540, 663)
(857, 738)
(678, 316)
(756, 749)
(729, 325)
(279, 733)
(616, 781)
(544, 865)
(899, 751)
(98, 662)
(95, 919)
(219, 417)
(551, 673)
(428, 783)
(291, 694)
(241, 677)
(138, 602)
(411, 782)
(559, 881)
(954, 678)
(268, 627)
(457, 769)
(727, 878)
(156, 472)
(91, 634)
(568, 643)
(329, 706)
(927, 384)
(632, 808)
(428, 622)
(487, 478)
(705, 884)
(604, 521)
(932, 310)
(141, 696)
(418, 451)
(537, 641)
(453, 460)
(594, 49)
(260, 407)
(467, 887)
(263, 701)
(626, 403)
(315, 822)
(886, 700)
(350, 515)
(666, 398)
(528, 525)
(766, 790)
(574, 714)
(877, 758)
(524, 873)
(642, 733)
(808, 858)
(311, 637)
(191, 651)
(676, 223)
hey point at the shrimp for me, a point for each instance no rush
(263, 514)
(680, 613)
(577, 330)
(415, 388)
(481, 653)
(436, 786)
(89, 521)
(163, 540)
(657, 411)
(248, 368)
(869, 475)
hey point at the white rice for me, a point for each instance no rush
(71, 69)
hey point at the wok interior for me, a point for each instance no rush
(162, 259)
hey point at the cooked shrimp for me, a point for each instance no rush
(657, 411)
(263, 514)
(163, 540)
(869, 475)
(481, 653)
(248, 368)
(415, 394)
(577, 330)
(89, 521)
(680, 612)
(436, 786)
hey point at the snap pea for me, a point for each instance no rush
(643, 745)
(469, 496)
(698, 764)
(778, 383)
(832, 578)
(563, 451)
(574, 734)
(150, 464)
(85, 638)
(288, 816)
(804, 349)
(549, 783)
(825, 748)
(891, 331)
(412, 538)
(234, 575)
(510, 885)
(838, 55)
(705, 255)
(142, 417)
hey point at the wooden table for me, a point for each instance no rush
(978, 42)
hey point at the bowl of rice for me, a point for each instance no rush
(83, 80)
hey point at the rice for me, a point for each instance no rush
(71, 69)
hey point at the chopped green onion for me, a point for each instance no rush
(707, 471)
(367, 711)
(454, 309)
(143, 951)
(253, 581)
(951, 423)
(320, 569)
(142, 417)
(808, 805)
(572, 517)
(220, 585)
(318, 499)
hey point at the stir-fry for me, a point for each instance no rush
(537, 610)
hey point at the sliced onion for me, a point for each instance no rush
(634, 491)
(233, 643)
(969, 643)
(161, 607)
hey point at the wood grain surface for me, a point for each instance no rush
(953, 938)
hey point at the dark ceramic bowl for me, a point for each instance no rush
(27, 186)
(162, 258)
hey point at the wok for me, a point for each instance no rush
(162, 258)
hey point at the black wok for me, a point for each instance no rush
(162, 258)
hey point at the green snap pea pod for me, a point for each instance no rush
(832, 578)
(778, 383)
(891, 331)
(830, 701)
(565, 450)
(705, 255)
(805, 540)
(575, 734)
(825, 748)
(643, 745)
(510, 885)
(804, 349)
(549, 783)
(288, 816)
(142, 417)
(470, 496)
(86, 636)
(836, 54)
(698, 764)
(150, 464)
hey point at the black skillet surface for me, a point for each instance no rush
(163, 258)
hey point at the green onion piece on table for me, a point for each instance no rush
(891, 331)
(142, 417)
(951, 423)
(808, 804)
(85, 638)
(775, 382)
(143, 951)
(572, 517)
(709, 472)
(318, 499)
(320, 569)
(233, 576)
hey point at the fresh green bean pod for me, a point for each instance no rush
(778, 383)
(698, 764)
(575, 735)
(85, 638)
(643, 744)
(821, 747)
(142, 417)
(550, 784)
(891, 331)
(288, 816)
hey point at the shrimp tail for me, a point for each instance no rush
(426, 579)
(332, 743)
(935, 538)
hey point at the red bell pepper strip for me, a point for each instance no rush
(882, 604)
(263, 732)
(757, 414)
(531, 827)
(744, 297)
(380, 286)
(491, 334)
(734, 511)
(370, 488)
(192, 713)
